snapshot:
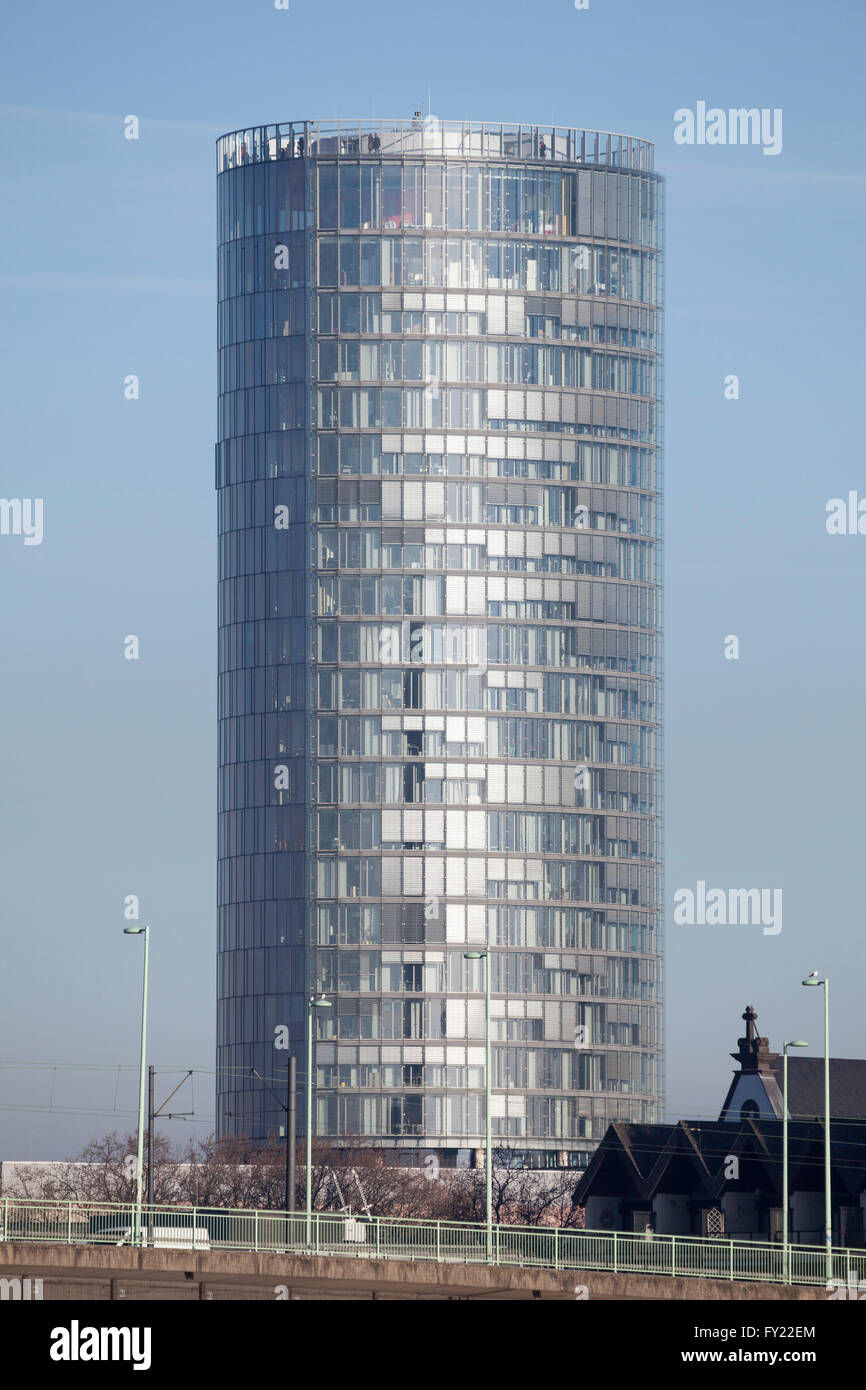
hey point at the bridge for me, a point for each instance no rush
(100, 1251)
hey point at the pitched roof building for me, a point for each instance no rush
(724, 1177)
(756, 1089)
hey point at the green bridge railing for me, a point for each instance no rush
(380, 1237)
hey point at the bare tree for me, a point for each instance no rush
(101, 1173)
(239, 1174)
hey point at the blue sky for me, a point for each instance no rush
(108, 269)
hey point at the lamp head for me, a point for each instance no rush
(796, 1043)
(134, 931)
(813, 979)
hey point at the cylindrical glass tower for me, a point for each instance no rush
(439, 472)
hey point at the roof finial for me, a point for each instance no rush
(750, 1018)
(753, 1052)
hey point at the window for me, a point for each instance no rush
(327, 195)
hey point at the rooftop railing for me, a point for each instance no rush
(429, 137)
(458, 1242)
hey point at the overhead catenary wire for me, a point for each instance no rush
(651, 1150)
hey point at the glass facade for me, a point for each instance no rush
(439, 474)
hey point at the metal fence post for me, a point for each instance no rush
(69, 1225)
(615, 1253)
(556, 1247)
(731, 1268)
(438, 1240)
(673, 1256)
(378, 1236)
(256, 1230)
(5, 1219)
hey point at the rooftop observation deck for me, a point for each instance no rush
(428, 137)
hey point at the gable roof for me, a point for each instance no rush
(646, 1151)
(709, 1144)
(642, 1143)
(627, 1153)
(806, 1086)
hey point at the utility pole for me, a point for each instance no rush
(150, 1135)
(139, 1160)
(152, 1113)
(488, 1141)
(290, 1111)
(291, 1135)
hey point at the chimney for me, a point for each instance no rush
(754, 1053)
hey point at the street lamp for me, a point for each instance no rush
(312, 1003)
(814, 979)
(145, 932)
(785, 1251)
(488, 1154)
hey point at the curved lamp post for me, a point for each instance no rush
(786, 1254)
(815, 979)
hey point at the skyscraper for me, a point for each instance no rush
(439, 472)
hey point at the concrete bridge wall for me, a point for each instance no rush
(103, 1273)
